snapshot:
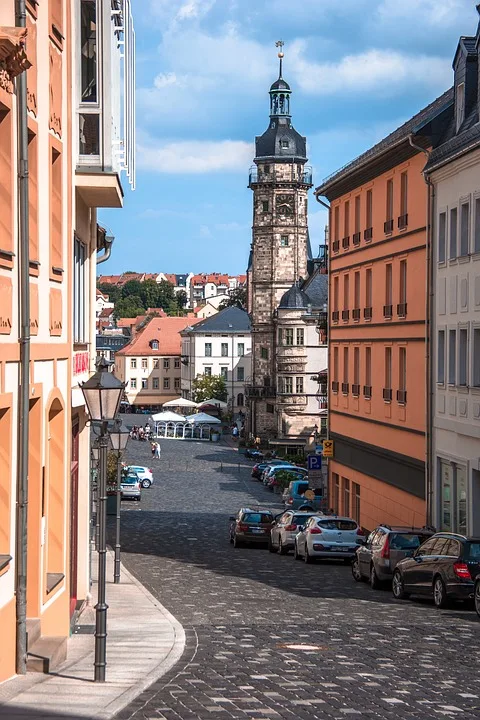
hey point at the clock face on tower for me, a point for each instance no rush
(285, 204)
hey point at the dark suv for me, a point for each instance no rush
(250, 526)
(385, 547)
(444, 568)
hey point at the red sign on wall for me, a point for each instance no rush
(80, 363)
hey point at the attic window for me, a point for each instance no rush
(284, 143)
(154, 344)
(460, 105)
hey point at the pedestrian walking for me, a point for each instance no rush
(157, 451)
(153, 447)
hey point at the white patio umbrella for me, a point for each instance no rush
(200, 418)
(168, 416)
(213, 401)
(180, 402)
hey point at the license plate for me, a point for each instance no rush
(339, 549)
(257, 530)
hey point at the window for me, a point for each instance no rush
(356, 371)
(284, 240)
(299, 385)
(156, 362)
(266, 169)
(476, 246)
(240, 349)
(452, 351)
(346, 496)
(224, 350)
(459, 105)
(336, 492)
(389, 207)
(388, 370)
(264, 353)
(356, 292)
(441, 356)
(176, 383)
(176, 363)
(270, 408)
(166, 364)
(357, 214)
(133, 383)
(335, 292)
(335, 364)
(345, 370)
(145, 363)
(368, 293)
(144, 383)
(402, 369)
(369, 214)
(463, 357)
(280, 336)
(476, 357)
(453, 234)
(289, 336)
(80, 309)
(224, 372)
(403, 283)
(288, 385)
(240, 374)
(356, 502)
(133, 363)
(166, 383)
(88, 41)
(56, 215)
(300, 336)
(442, 235)
(207, 371)
(346, 220)
(208, 349)
(368, 372)
(388, 284)
(6, 215)
(336, 224)
(32, 194)
(284, 143)
(403, 219)
(464, 229)
(154, 344)
(155, 383)
(265, 205)
(346, 292)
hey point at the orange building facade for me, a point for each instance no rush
(377, 295)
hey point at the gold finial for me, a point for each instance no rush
(280, 44)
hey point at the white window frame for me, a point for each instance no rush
(80, 296)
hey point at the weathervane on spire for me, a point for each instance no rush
(280, 44)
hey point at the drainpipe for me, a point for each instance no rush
(108, 249)
(428, 329)
(24, 342)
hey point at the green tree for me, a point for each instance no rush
(113, 292)
(182, 298)
(132, 287)
(150, 293)
(209, 386)
(238, 298)
(128, 307)
(166, 296)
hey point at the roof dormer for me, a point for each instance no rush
(154, 344)
(465, 66)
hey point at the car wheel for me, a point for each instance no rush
(281, 550)
(307, 557)
(296, 554)
(271, 546)
(476, 599)
(398, 588)
(146, 483)
(236, 543)
(439, 593)
(357, 575)
(374, 581)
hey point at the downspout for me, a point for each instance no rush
(108, 249)
(328, 350)
(428, 328)
(24, 343)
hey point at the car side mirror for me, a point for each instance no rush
(232, 517)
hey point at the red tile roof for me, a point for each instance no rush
(164, 329)
(109, 279)
(215, 278)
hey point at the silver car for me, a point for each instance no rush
(327, 536)
(130, 487)
(282, 534)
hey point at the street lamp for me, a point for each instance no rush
(119, 438)
(102, 393)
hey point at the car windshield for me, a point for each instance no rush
(130, 480)
(257, 518)
(301, 519)
(406, 541)
(334, 524)
(472, 551)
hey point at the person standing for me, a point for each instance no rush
(157, 451)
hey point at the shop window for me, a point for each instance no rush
(356, 502)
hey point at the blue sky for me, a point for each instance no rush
(358, 69)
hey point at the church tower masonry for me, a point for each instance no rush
(280, 182)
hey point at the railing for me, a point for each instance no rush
(368, 234)
(335, 386)
(402, 310)
(387, 394)
(355, 390)
(336, 245)
(356, 238)
(294, 172)
(335, 316)
(292, 399)
(260, 391)
(346, 242)
(345, 315)
(367, 391)
(367, 313)
(403, 221)
(402, 396)
(388, 227)
(356, 314)
(388, 311)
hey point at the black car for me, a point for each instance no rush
(250, 527)
(444, 567)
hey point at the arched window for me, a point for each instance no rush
(240, 400)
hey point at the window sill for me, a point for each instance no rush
(476, 255)
(53, 581)
(462, 259)
(4, 561)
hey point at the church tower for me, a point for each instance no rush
(280, 182)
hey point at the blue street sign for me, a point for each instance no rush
(314, 462)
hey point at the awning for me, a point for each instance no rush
(292, 441)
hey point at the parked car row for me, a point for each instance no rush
(134, 478)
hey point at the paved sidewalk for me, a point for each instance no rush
(144, 642)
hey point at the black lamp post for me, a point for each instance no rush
(119, 438)
(102, 393)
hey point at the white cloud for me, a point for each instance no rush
(432, 12)
(382, 71)
(230, 227)
(194, 157)
(205, 232)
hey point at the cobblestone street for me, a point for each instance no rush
(241, 609)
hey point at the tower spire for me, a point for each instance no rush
(280, 44)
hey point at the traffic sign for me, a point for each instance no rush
(318, 449)
(314, 462)
(328, 448)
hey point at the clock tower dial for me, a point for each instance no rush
(285, 204)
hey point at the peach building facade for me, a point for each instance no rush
(64, 193)
(377, 297)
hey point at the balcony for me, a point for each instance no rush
(403, 222)
(402, 397)
(388, 227)
(335, 316)
(345, 315)
(368, 234)
(292, 399)
(356, 314)
(367, 391)
(346, 243)
(335, 386)
(388, 312)
(357, 238)
(367, 313)
(259, 391)
(336, 246)
(292, 351)
(106, 102)
(345, 388)
(355, 390)
(387, 394)
(281, 173)
(402, 310)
